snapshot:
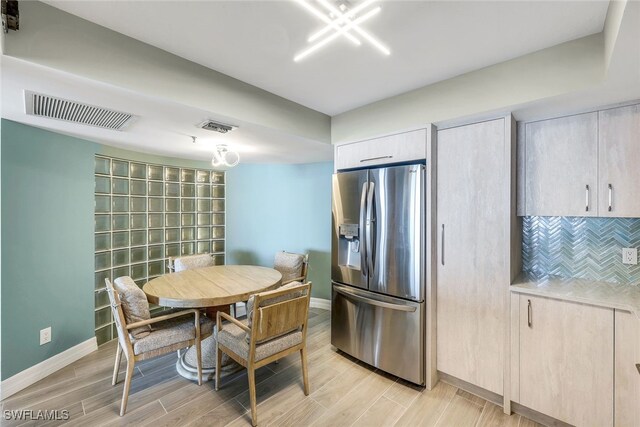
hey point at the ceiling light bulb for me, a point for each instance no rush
(217, 160)
(235, 159)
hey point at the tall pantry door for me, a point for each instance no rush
(473, 270)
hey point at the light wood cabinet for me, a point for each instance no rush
(561, 166)
(627, 373)
(398, 148)
(474, 214)
(619, 148)
(567, 360)
(581, 165)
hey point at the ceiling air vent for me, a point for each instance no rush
(51, 107)
(217, 127)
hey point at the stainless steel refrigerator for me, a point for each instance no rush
(378, 268)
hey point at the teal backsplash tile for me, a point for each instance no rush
(588, 248)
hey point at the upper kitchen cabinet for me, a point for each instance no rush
(619, 149)
(403, 147)
(561, 166)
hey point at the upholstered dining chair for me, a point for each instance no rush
(189, 262)
(141, 337)
(276, 326)
(292, 266)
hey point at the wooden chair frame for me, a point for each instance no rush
(125, 346)
(269, 322)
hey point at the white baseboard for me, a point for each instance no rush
(322, 303)
(31, 375)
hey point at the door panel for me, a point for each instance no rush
(473, 270)
(619, 149)
(347, 237)
(561, 161)
(627, 374)
(397, 231)
(382, 331)
(566, 360)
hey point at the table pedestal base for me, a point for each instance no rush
(186, 364)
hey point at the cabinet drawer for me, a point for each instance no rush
(403, 147)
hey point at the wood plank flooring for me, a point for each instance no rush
(344, 392)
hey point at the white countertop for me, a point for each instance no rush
(604, 294)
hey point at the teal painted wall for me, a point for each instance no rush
(281, 207)
(47, 243)
(47, 240)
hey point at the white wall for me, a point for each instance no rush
(560, 69)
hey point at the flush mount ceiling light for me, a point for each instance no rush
(340, 21)
(223, 156)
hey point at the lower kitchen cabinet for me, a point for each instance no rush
(566, 367)
(627, 370)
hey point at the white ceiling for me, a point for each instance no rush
(430, 41)
(162, 127)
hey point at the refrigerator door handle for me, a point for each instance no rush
(351, 294)
(442, 246)
(362, 233)
(370, 221)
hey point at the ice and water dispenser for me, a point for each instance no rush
(349, 246)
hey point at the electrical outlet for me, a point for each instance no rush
(630, 256)
(45, 335)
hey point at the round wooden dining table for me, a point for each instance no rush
(212, 288)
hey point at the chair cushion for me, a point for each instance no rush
(234, 338)
(134, 305)
(193, 261)
(172, 331)
(289, 265)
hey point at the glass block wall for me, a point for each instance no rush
(146, 213)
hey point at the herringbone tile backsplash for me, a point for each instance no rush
(587, 248)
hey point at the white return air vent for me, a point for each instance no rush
(51, 107)
(217, 127)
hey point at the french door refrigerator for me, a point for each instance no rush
(378, 268)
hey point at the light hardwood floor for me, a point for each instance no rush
(344, 392)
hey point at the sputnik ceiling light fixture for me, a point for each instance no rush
(222, 155)
(340, 21)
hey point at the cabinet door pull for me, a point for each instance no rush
(587, 198)
(529, 314)
(442, 246)
(638, 367)
(375, 158)
(610, 197)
